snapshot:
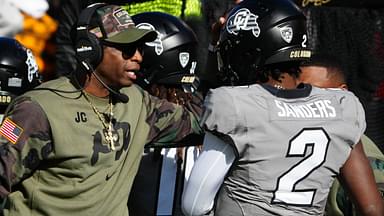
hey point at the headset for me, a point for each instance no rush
(89, 51)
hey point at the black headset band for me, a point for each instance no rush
(86, 15)
(88, 50)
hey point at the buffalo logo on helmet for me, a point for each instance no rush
(157, 43)
(243, 19)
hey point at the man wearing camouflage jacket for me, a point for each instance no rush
(72, 146)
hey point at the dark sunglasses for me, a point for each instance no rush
(128, 50)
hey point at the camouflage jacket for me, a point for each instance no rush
(55, 159)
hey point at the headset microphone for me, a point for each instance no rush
(123, 98)
(119, 96)
(88, 67)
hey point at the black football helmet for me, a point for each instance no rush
(258, 34)
(171, 59)
(18, 70)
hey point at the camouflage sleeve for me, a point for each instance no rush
(171, 124)
(24, 141)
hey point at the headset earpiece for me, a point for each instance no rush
(89, 51)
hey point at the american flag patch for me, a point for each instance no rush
(10, 130)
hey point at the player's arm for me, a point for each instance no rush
(207, 175)
(357, 177)
(173, 125)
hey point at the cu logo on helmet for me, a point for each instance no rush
(243, 19)
(157, 43)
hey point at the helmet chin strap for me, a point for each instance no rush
(245, 72)
(149, 75)
(226, 74)
(233, 76)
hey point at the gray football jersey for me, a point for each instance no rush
(290, 144)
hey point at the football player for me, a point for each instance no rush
(18, 71)
(168, 71)
(325, 71)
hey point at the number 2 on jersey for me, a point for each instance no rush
(285, 192)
